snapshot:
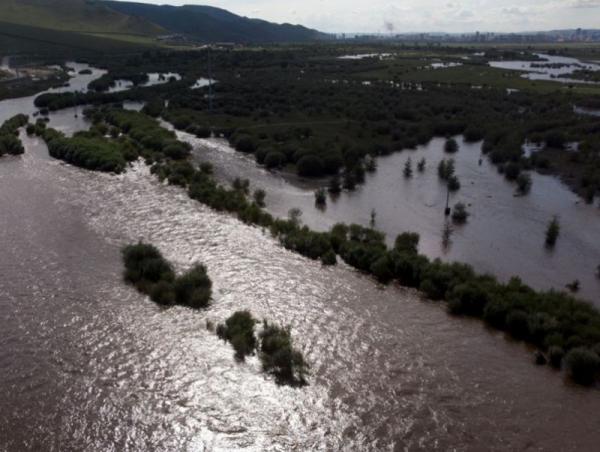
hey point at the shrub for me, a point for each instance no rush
(451, 146)
(408, 171)
(334, 185)
(468, 298)
(151, 274)
(552, 232)
(329, 258)
(310, 166)
(459, 213)
(453, 183)
(279, 358)
(193, 288)
(407, 242)
(524, 183)
(582, 365)
(144, 264)
(556, 354)
(239, 331)
(245, 144)
(383, 269)
(274, 159)
(320, 197)
(259, 197)
(517, 324)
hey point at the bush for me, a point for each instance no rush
(517, 324)
(407, 242)
(193, 288)
(259, 197)
(582, 365)
(459, 213)
(320, 197)
(453, 183)
(556, 354)
(279, 358)
(451, 146)
(334, 185)
(310, 166)
(524, 183)
(552, 232)
(151, 274)
(245, 144)
(144, 264)
(274, 159)
(468, 299)
(239, 331)
(329, 258)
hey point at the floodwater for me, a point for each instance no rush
(154, 78)
(87, 363)
(504, 234)
(542, 70)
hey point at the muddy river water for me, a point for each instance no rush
(87, 363)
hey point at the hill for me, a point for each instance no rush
(209, 24)
(74, 15)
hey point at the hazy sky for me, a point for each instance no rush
(416, 15)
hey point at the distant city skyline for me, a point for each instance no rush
(384, 16)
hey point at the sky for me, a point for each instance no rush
(404, 16)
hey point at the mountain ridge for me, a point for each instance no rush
(209, 23)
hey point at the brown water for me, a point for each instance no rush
(87, 363)
(504, 234)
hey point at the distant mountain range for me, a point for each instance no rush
(209, 24)
(192, 23)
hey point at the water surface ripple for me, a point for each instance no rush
(87, 363)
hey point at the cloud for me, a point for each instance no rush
(585, 3)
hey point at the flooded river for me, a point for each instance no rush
(504, 234)
(549, 67)
(87, 363)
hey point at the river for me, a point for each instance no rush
(87, 363)
(549, 67)
(504, 234)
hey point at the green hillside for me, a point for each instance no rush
(86, 16)
(18, 39)
(210, 24)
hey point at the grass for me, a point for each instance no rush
(73, 15)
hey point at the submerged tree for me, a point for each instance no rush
(408, 171)
(279, 357)
(446, 169)
(552, 232)
(239, 331)
(335, 186)
(451, 146)
(373, 218)
(370, 164)
(453, 183)
(421, 165)
(294, 215)
(523, 183)
(459, 213)
(259, 197)
(320, 197)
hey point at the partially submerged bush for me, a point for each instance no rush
(459, 213)
(582, 365)
(277, 354)
(193, 288)
(153, 275)
(239, 331)
(279, 358)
